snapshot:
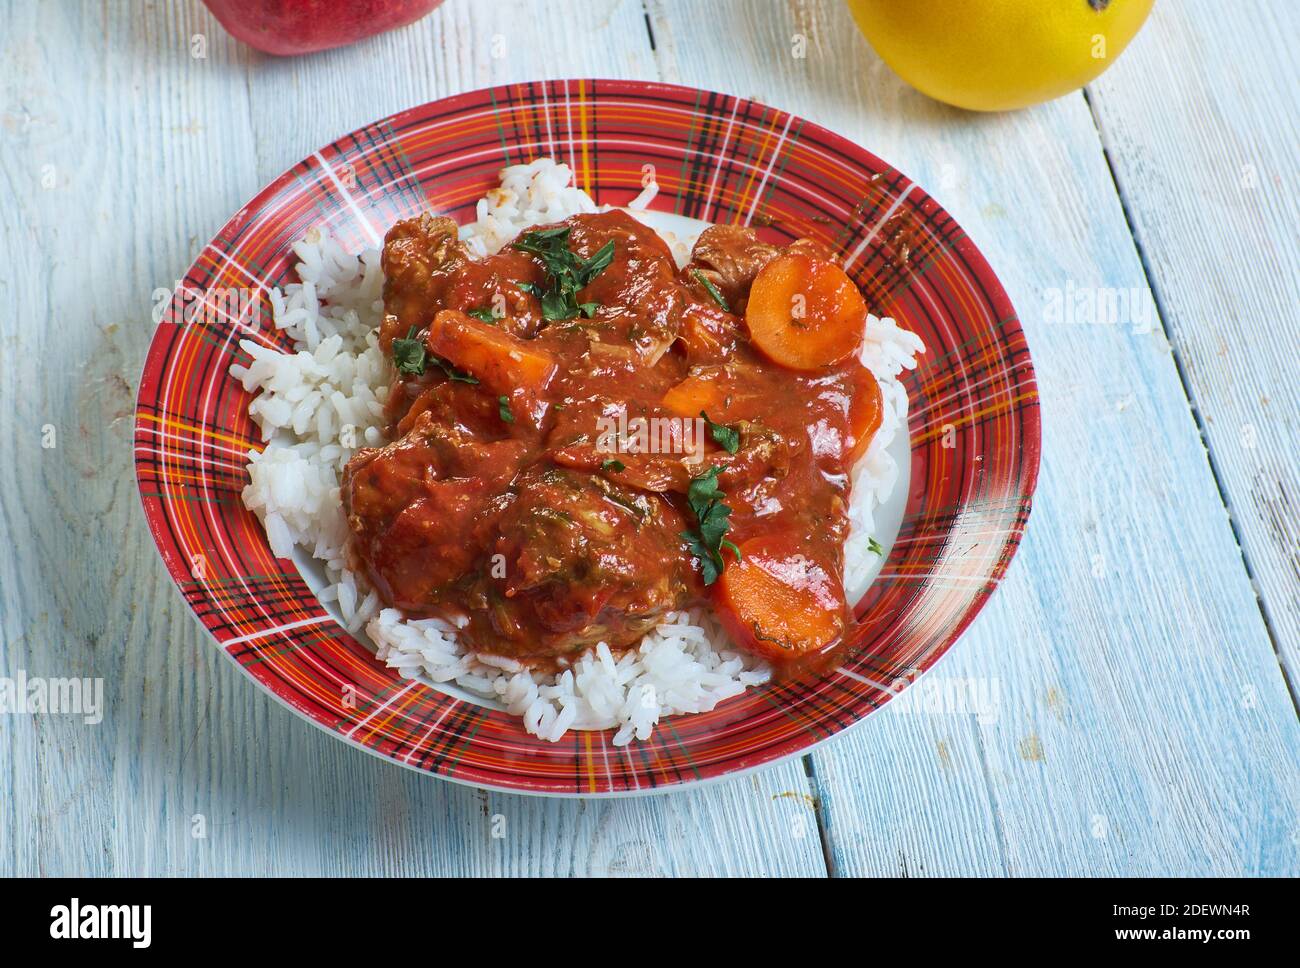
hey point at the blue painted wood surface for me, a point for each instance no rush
(1120, 707)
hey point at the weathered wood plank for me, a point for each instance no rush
(151, 150)
(1142, 725)
(1209, 179)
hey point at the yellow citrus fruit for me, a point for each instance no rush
(995, 55)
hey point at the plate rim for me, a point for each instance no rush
(1030, 446)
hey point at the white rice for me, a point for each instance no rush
(319, 405)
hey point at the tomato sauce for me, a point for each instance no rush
(551, 482)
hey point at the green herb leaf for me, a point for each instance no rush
(597, 264)
(538, 239)
(703, 280)
(728, 438)
(567, 273)
(874, 546)
(707, 541)
(617, 466)
(711, 565)
(558, 304)
(704, 489)
(484, 313)
(503, 408)
(409, 354)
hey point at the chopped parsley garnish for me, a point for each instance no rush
(503, 408)
(617, 466)
(874, 546)
(410, 357)
(703, 280)
(598, 263)
(566, 272)
(707, 540)
(484, 313)
(728, 438)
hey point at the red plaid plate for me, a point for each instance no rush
(974, 420)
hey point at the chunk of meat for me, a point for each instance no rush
(421, 259)
(471, 415)
(729, 256)
(649, 450)
(764, 453)
(420, 506)
(495, 289)
(583, 561)
(709, 334)
(639, 295)
(599, 429)
(811, 248)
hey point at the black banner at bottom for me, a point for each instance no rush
(344, 918)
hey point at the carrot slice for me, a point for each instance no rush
(805, 313)
(500, 361)
(696, 393)
(778, 603)
(865, 412)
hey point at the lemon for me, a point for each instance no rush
(995, 55)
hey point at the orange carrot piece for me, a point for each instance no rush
(865, 412)
(503, 363)
(805, 313)
(696, 393)
(778, 603)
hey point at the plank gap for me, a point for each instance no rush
(1185, 381)
(649, 27)
(828, 857)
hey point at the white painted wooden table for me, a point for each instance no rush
(1138, 666)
